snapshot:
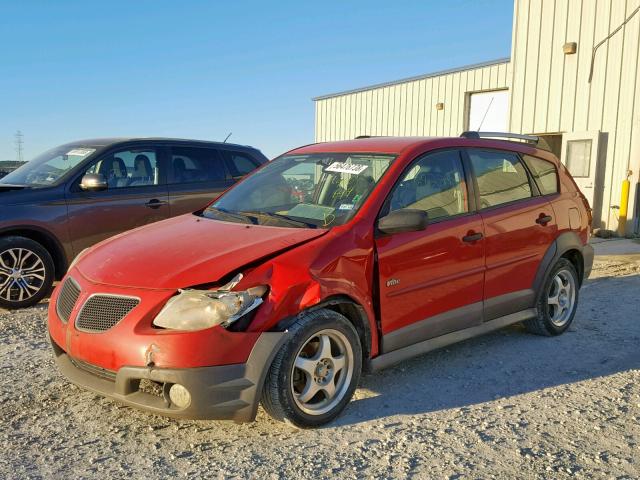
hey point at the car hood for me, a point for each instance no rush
(185, 251)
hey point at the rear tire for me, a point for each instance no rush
(26, 272)
(557, 301)
(314, 375)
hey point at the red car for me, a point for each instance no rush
(331, 260)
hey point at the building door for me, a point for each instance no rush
(581, 155)
(489, 111)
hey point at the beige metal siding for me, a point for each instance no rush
(407, 107)
(550, 91)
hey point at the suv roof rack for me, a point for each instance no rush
(510, 136)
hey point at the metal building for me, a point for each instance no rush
(573, 78)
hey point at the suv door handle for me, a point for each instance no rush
(155, 203)
(543, 219)
(472, 237)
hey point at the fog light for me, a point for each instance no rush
(179, 396)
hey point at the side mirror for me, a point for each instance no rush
(404, 220)
(93, 182)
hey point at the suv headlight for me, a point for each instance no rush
(199, 309)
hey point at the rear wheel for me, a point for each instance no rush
(26, 272)
(314, 375)
(557, 302)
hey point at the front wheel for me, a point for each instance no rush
(557, 302)
(314, 375)
(26, 272)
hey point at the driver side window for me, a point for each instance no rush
(435, 184)
(128, 168)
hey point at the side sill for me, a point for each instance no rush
(396, 356)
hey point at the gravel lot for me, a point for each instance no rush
(505, 405)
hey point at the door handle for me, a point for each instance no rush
(472, 237)
(543, 219)
(155, 203)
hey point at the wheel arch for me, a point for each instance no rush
(48, 242)
(351, 310)
(567, 245)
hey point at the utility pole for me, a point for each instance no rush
(19, 146)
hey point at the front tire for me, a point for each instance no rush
(557, 301)
(314, 375)
(26, 272)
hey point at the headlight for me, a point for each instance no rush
(199, 309)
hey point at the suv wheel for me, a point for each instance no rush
(314, 375)
(26, 272)
(557, 302)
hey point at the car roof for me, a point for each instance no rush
(108, 141)
(398, 145)
(366, 144)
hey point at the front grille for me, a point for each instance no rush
(101, 312)
(67, 299)
(93, 369)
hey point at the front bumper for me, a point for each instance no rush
(226, 392)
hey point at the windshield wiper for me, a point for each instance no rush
(224, 213)
(285, 218)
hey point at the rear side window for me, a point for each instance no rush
(240, 163)
(193, 165)
(501, 177)
(544, 173)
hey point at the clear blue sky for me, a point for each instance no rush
(200, 69)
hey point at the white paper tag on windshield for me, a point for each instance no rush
(341, 167)
(346, 206)
(81, 152)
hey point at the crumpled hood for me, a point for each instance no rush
(185, 251)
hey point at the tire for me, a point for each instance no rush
(26, 272)
(557, 301)
(305, 365)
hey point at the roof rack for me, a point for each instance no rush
(510, 136)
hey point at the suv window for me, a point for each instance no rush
(136, 167)
(501, 177)
(240, 163)
(435, 183)
(544, 173)
(193, 165)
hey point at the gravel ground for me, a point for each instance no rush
(507, 405)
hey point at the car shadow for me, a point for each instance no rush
(604, 339)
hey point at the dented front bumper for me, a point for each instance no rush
(226, 392)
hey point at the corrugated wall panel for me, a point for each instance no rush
(609, 103)
(407, 108)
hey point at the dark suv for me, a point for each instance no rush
(78, 194)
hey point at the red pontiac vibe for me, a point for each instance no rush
(331, 260)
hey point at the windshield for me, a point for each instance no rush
(319, 190)
(47, 168)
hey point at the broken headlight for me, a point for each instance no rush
(199, 309)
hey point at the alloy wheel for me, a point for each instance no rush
(561, 298)
(322, 372)
(22, 274)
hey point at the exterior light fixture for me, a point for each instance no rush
(439, 106)
(570, 48)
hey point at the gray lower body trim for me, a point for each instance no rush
(587, 256)
(451, 321)
(388, 359)
(508, 303)
(226, 392)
